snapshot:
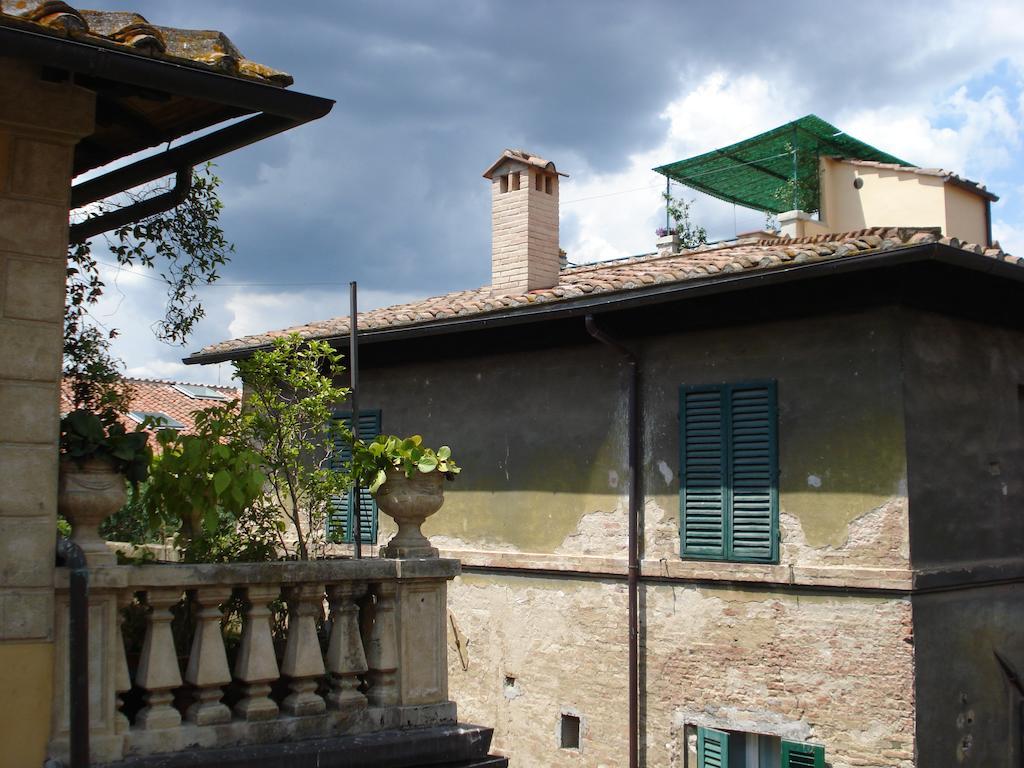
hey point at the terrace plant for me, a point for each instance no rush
(371, 461)
(287, 420)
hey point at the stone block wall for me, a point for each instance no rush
(829, 669)
(40, 122)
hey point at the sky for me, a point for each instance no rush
(387, 189)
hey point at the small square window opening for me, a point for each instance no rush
(570, 732)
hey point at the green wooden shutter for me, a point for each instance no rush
(753, 501)
(729, 472)
(796, 755)
(339, 521)
(702, 470)
(712, 748)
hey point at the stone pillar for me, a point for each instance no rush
(256, 665)
(303, 663)
(421, 620)
(208, 663)
(158, 673)
(40, 123)
(382, 649)
(346, 659)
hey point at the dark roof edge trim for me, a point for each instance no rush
(158, 74)
(660, 293)
(188, 155)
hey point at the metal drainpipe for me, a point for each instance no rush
(78, 650)
(633, 565)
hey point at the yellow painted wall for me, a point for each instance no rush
(26, 684)
(965, 215)
(892, 198)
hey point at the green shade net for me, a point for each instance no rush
(776, 171)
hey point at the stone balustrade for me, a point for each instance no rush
(250, 653)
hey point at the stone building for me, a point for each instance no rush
(816, 438)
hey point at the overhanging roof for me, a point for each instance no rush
(153, 84)
(758, 172)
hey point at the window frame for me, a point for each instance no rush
(725, 391)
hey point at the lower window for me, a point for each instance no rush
(736, 749)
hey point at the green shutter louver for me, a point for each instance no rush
(339, 521)
(796, 755)
(703, 468)
(752, 471)
(729, 472)
(712, 748)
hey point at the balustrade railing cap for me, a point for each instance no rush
(187, 575)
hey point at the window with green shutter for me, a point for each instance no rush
(796, 755)
(738, 749)
(728, 490)
(340, 522)
(712, 748)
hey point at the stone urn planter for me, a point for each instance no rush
(89, 493)
(410, 501)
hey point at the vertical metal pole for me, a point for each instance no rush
(668, 198)
(795, 174)
(353, 362)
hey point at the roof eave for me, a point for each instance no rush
(179, 78)
(656, 294)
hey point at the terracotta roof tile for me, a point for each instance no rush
(703, 263)
(154, 395)
(193, 47)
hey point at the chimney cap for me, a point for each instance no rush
(522, 156)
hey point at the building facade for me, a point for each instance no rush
(829, 529)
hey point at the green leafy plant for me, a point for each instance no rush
(199, 478)
(287, 421)
(186, 244)
(690, 235)
(84, 436)
(370, 461)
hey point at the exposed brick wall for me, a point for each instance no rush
(524, 222)
(831, 669)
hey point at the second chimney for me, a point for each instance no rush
(524, 222)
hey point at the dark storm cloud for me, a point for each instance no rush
(387, 188)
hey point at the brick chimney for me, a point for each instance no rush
(524, 222)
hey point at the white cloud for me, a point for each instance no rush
(614, 215)
(719, 110)
(256, 312)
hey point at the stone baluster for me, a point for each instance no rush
(158, 674)
(122, 677)
(382, 649)
(303, 661)
(346, 660)
(256, 666)
(208, 663)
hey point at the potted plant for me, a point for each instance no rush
(407, 480)
(96, 459)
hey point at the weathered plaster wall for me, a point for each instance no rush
(836, 670)
(541, 437)
(968, 712)
(40, 122)
(964, 382)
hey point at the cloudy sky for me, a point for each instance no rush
(387, 190)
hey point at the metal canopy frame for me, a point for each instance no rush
(775, 171)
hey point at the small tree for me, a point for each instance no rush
(690, 235)
(206, 485)
(287, 417)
